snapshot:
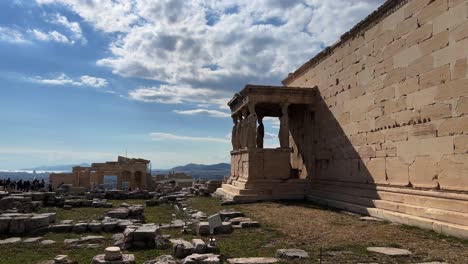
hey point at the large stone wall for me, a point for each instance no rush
(395, 100)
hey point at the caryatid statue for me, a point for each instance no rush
(243, 130)
(252, 128)
(284, 127)
(235, 140)
(260, 132)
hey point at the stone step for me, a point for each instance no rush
(396, 195)
(397, 217)
(421, 222)
(430, 213)
(422, 211)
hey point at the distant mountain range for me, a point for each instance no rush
(201, 171)
(212, 171)
(64, 168)
(198, 167)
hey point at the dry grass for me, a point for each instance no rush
(343, 237)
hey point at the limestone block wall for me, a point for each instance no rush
(394, 107)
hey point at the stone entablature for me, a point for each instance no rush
(133, 171)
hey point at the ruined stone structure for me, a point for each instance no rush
(135, 172)
(386, 133)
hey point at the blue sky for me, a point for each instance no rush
(83, 81)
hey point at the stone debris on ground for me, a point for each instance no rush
(32, 239)
(181, 248)
(11, 240)
(47, 242)
(292, 253)
(145, 236)
(202, 259)
(17, 223)
(255, 260)
(127, 212)
(164, 259)
(389, 251)
(63, 259)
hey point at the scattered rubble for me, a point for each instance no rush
(389, 251)
(16, 223)
(292, 254)
(256, 260)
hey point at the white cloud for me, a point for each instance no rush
(203, 112)
(11, 35)
(274, 122)
(171, 94)
(63, 79)
(173, 137)
(73, 27)
(93, 81)
(214, 45)
(50, 36)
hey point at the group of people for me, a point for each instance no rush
(22, 185)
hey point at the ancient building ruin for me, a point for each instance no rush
(381, 127)
(134, 172)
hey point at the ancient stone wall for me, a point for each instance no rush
(395, 99)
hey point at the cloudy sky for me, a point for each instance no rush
(86, 80)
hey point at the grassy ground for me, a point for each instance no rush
(340, 237)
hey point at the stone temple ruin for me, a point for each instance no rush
(134, 172)
(376, 124)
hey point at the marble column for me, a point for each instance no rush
(284, 127)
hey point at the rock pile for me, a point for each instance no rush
(292, 253)
(119, 194)
(164, 259)
(142, 237)
(14, 223)
(162, 198)
(205, 188)
(82, 202)
(128, 212)
(107, 225)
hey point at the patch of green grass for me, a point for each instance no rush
(76, 214)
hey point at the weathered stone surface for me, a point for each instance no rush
(202, 259)
(181, 248)
(11, 240)
(80, 228)
(126, 259)
(389, 251)
(48, 242)
(199, 246)
(203, 228)
(461, 144)
(257, 260)
(63, 228)
(424, 172)
(164, 259)
(95, 227)
(397, 171)
(229, 213)
(292, 254)
(32, 240)
(225, 228)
